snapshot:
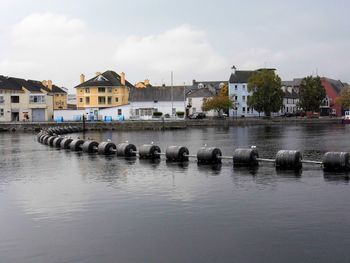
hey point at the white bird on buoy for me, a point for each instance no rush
(108, 140)
(253, 147)
(152, 142)
(205, 145)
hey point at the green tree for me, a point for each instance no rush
(311, 94)
(267, 95)
(344, 99)
(218, 103)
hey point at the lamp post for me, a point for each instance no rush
(172, 98)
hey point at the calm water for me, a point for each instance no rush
(60, 206)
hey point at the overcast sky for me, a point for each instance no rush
(58, 40)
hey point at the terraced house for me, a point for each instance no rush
(24, 100)
(107, 89)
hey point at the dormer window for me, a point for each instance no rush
(200, 85)
(100, 78)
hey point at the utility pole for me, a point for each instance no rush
(172, 95)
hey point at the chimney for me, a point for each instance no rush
(122, 78)
(146, 81)
(98, 73)
(44, 82)
(49, 84)
(82, 78)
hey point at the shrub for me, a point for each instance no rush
(157, 114)
(167, 115)
(180, 114)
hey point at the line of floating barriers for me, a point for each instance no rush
(249, 157)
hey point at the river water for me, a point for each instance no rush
(61, 206)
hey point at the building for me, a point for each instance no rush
(238, 92)
(212, 86)
(107, 89)
(24, 100)
(168, 100)
(60, 95)
(333, 89)
(143, 84)
(291, 96)
(195, 100)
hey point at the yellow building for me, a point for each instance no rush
(60, 99)
(105, 90)
(143, 84)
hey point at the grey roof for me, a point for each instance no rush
(30, 85)
(108, 78)
(292, 83)
(7, 84)
(163, 93)
(337, 85)
(241, 76)
(200, 93)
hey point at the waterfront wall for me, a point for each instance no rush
(167, 125)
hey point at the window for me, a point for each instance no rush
(119, 112)
(100, 90)
(243, 87)
(137, 112)
(57, 95)
(109, 90)
(81, 90)
(37, 99)
(194, 110)
(14, 99)
(243, 98)
(87, 100)
(1, 112)
(2, 99)
(109, 100)
(248, 109)
(236, 98)
(81, 100)
(236, 87)
(243, 109)
(87, 90)
(116, 99)
(101, 100)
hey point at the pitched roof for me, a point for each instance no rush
(176, 93)
(241, 76)
(337, 85)
(30, 85)
(108, 78)
(200, 93)
(291, 95)
(292, 83)
(56, 89)
(7, 84)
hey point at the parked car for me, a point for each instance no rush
(198, 115)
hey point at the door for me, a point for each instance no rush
(38, 114)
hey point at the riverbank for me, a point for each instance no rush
(166, 125)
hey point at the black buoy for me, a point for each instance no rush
(76, 145)
(65, 143)
(126, 150)
(57, 142)
(245, 157)
(106, 148)
(90, 146)
(176, 154)
(288, 159)
(149, 151)
(336, 161)
(46, 138)
(209, 155)
(50, 140)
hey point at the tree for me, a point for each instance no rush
(311, 94)
(267, 95)
(218, 103)
(224, 90)
(344, 99)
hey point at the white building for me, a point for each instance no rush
(167, 100)
(238, 91)
(195, 100)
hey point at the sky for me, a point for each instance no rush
(149, 39)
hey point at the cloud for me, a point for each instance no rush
(182, 49)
